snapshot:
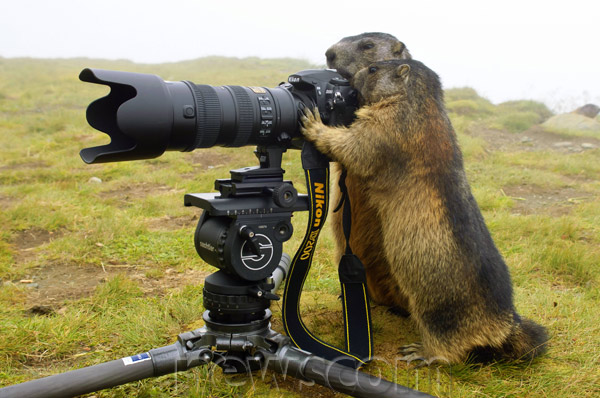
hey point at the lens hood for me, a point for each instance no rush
(137, 114)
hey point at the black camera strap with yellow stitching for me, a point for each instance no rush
(355, 300)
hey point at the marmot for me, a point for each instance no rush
(348, 56)
(403, 151)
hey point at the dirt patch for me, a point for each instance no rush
(533, 199)
(54, 283)
(51, 285)
(34, 237)
(208, 160)
(545, 140)
(168, 223)
(534, 139)
(6, 202)
(200, 159)
(126, 194)
(24, 166)
(497, 140)
(171, 279)
(26, 241)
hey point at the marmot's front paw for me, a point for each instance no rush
(413, 355)
(311, 124)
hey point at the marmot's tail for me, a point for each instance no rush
(527, 341)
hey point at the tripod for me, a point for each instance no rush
(241, 232)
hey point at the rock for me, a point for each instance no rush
(562, 144)
(41, 310)
(588, 110)
(569, 122)
(95, 180)
(526, 139)
(587, 145)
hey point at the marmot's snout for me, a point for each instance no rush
(330, 55)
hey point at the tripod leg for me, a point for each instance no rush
(157, 362)
(84, 380)
(297, 363)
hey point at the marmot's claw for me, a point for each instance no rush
(415, 359)
(310, 120)
(306, 116)
(411, 348)
(413, 355)
(316, 115)
(311, 114)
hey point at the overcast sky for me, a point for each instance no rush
(544, 50)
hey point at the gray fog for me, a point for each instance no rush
(506, 50)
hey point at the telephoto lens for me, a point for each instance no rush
(144, 116)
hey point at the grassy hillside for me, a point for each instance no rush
(93, 271)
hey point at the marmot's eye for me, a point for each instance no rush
(367, 46)
(372, 69)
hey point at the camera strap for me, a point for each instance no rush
(356, 311)
(353, 279)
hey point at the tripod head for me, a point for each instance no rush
(242, 231)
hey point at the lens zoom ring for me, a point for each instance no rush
(208, 115)
(245, 116)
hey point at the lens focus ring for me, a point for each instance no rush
(245, 112)
(208, 115)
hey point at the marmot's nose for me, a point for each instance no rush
(330, 54)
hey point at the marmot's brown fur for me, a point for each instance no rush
(403, 151)
(348, 56)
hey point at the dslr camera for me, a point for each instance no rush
(146, 116)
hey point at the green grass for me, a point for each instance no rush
(132, 234)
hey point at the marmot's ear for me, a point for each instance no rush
(398, 49)
(403, 71)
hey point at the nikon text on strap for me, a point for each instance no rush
(357, 319)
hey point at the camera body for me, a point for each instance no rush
(327, 91)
